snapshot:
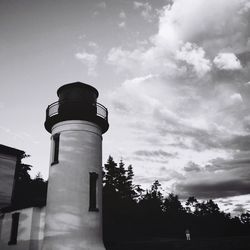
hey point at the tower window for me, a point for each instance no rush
(14, 229)
(92, 191)
(55, 148)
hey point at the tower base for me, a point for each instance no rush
(74, 207)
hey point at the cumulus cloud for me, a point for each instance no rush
(89, 60)
(123, 59)
(195, 56)
(184, 33)
(190, 21)
(181, 35)
(227, 61)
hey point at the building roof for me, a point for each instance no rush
(10, 151)
(77, 85)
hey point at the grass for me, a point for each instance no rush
(229, 243)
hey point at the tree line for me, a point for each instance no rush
(130, 212)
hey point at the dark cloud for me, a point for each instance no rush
(228, 164)
(244, 57)
(239, 208)
(240, 142)
(228, 76)
(157, 156)
(192, 167)
(206, 190)
(205, 140)
(219, 179)
(155, 153)
(201, 139)
(150, 180)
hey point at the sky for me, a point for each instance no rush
(174, 75)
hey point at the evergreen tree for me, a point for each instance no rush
(131, 189)
(172, 205)
(121, 180)
(245, 218)
(207, 208)
(153, 199)
(118, 203)
(110, 175)
(190, 204)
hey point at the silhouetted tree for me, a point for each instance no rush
(132, 213)
(245, 218)
(153, 199)
(172, 205)
(190, 204)
(27, 192)
(207, 208)
(110, 175)
(118, 199)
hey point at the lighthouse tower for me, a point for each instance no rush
(74, 202)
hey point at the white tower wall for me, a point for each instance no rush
(69, 224)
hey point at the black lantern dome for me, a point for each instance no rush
(77, 101)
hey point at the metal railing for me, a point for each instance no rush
(53, 109)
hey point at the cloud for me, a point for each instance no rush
(239, 142)
(182, 29)
(184, 91)
(239, 208)
(122, 25)
(89, 60)
(218, 179)
(93, 45)
(123, 59)
(102, 5)
(220, 164)
(146, 10)
(122, 15)
(190, 21)
(244, 57)
(184, 33)
(195, 56)
(192, 167)
(236, 98)
(227, 61)
(155, 153)
(206, 190)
